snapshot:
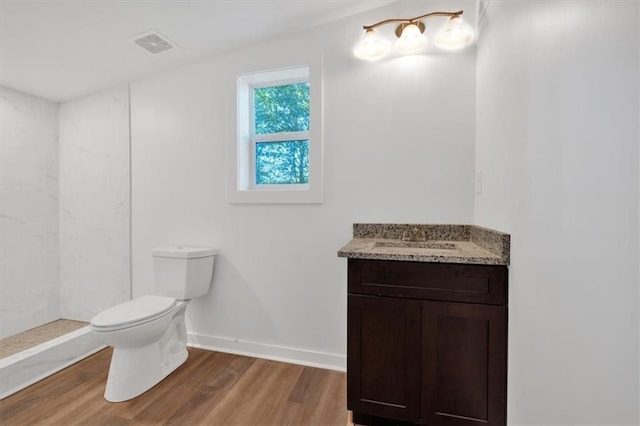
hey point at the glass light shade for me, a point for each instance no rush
(371, 47)
(455, 35)
(411, 39)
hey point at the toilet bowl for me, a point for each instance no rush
(148, 334)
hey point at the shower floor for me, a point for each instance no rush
(27, 339)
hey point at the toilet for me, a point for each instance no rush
(148, 334)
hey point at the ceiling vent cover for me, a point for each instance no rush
(153, 42)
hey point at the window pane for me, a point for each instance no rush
(283, 162)
(281, 108)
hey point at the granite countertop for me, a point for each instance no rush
(469, 244)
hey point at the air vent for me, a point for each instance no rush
(153, 42)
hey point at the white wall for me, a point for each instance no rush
(29, 281)
(94, 203)
(398, 147)
(557, 143)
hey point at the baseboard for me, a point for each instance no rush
(273, 352)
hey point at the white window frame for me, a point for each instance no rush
(272, 137)
(241, 149)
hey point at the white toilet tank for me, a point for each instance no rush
(183, 272)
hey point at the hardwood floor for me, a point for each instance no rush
(211, 388)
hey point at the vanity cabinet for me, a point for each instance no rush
(426, 343)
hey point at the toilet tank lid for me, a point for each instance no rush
(183, 251)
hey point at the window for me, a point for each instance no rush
(278, 148)
(280, 139)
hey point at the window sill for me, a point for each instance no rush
(276, 196)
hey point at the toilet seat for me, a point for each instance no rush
(132, 313)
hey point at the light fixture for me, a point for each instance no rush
(454, 35)
(411, 38)
(371, 46)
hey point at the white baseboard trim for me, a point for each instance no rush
(272, 352)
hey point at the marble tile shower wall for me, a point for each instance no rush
(94, 203)
(29, 251)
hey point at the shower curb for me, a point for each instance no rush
(34, 364)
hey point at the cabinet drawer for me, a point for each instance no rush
(430, 281)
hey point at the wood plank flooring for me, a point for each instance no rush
(211, 388)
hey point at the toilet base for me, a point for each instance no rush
(134, 371)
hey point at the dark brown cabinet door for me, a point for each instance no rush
(464, 364)
(383, 357)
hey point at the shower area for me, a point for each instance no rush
(65, 250)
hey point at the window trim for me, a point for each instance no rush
(240, 147)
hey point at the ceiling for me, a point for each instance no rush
(62, 49)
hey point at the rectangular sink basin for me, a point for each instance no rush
(417, 244)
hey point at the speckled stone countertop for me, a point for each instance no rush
(428, 243)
